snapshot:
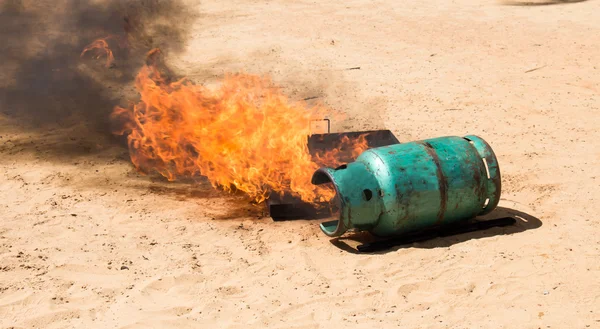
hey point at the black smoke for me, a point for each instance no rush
(45, 85)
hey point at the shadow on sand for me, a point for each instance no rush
(523, 223)
(540, 3)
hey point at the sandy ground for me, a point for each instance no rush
(86, 242)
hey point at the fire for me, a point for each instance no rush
(331, 158)
(244, 135)
(100, 47)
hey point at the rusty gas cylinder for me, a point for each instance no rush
(403, 188)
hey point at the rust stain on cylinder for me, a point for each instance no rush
(442, 182)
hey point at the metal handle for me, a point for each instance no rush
(494, 182)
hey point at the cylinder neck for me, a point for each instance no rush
(357, 192)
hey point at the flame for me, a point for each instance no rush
(100, 47)
(243, 135)
(332, 158)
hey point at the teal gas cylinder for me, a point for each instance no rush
(413, 186)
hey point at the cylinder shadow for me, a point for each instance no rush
(539, 3)
(524, 222)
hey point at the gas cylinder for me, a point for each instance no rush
(408, 187)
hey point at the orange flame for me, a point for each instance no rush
(244, 135)
(100, 47)
(332, 158)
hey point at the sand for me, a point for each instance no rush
(87, 242)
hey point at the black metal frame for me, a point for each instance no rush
(288, 207)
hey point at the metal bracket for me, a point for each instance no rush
(328, 123)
